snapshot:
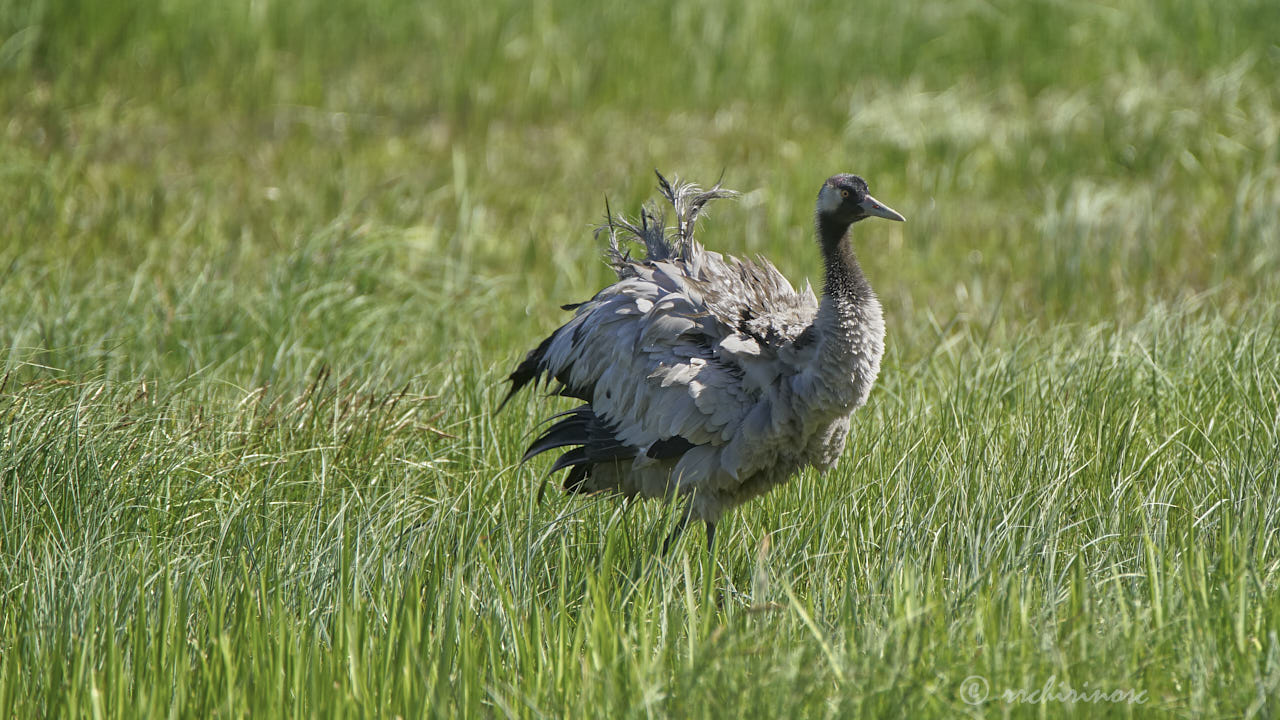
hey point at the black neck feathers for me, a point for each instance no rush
(844, 278)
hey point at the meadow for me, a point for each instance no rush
(265, 265)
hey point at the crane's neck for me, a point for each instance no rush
(846, 287)
(850, 324)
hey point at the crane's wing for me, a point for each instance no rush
(679, 361)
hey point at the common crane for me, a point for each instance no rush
(707, 377)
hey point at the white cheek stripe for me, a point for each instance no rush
(828, 199)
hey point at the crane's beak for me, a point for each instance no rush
(875, 208)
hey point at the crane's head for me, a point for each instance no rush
(844, 200)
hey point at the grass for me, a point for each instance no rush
(263, 267)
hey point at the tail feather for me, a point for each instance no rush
(527, 371)
(650, 229)
(596, 443)
(576, 456)
(576, 480)
(570, 431)
(688, 200)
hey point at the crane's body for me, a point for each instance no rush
(707, 376)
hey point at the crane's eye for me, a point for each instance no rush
(844, 193)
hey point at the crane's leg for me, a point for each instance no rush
(678, 530)
(711, 564)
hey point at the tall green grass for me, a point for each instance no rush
(264, 265)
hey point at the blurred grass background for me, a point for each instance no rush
(264, 265)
